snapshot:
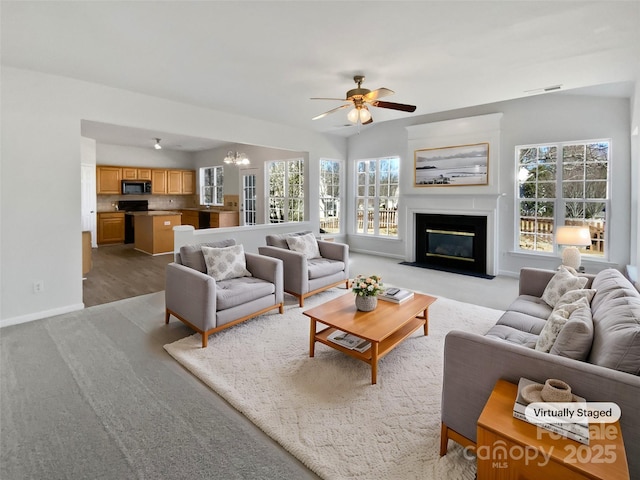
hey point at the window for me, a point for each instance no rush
(562, 184)
(211, 192)
(377, 190)
(330, 200)
(286, 191)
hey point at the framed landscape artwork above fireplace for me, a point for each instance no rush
(462, 165)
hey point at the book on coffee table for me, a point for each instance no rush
(349, 341)
(396, 295)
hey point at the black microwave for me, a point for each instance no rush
(136, 187)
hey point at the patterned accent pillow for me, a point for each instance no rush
(225, 263)
(574, 295)
(561, 283)
(576, 337)
(556, 322)
(305, 244)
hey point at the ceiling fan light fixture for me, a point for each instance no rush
(157, 146)
(359, 114)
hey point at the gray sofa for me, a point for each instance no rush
(608, 373)
(304, 276)
(207, 305)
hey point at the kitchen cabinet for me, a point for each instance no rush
(110, 227)
(154, 231)
(108, 180)
(144, 174)
(129, 173)
(134, 173)
(190, 217)
(188, 182)
(159, 182)
(219, 219)
(174, 182)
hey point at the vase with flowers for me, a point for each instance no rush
(367, 290)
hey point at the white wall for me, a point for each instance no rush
(122, 155)
(537, 119)
(635, 176)
(41, 231)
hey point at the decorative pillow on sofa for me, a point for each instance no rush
(305, 244)
(191, 255)
(575, 339)
(225, 263)
(551, 330)
(561, 283)
(557, 322)
(574, 295)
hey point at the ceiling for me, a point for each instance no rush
(266, 59)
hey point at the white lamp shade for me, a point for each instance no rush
(353, 115)
(575, 236)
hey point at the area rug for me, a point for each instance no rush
(324, 410)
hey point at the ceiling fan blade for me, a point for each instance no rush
(326, 98)
(394, 106)
(368, 121)
(379, 93)
(322, 115)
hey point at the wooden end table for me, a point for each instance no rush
(385, 327)
(508, 448)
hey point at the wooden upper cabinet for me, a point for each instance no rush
(108, 180)
(163, 182)
(129, 173)
(188, 182)
(144, 174)
(159, 182)
(174, 182)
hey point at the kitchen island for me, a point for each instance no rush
(154, 230)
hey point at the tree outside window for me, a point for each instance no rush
(330, 199)
(286, 191)
(377, 194)
(562, 184)
(211, 188)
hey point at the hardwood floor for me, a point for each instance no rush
(119, 271)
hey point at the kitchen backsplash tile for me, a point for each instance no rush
(107, 203)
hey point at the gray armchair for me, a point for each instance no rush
(207, 305)
(304, 276)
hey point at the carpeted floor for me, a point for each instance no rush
(324, 409)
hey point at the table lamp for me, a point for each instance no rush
(572, 237)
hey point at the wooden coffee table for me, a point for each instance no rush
(385, 327)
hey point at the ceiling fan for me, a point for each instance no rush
(360, 98)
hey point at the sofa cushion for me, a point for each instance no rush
(321, 267)
(238, 291)
(280, 240)
(191, 255)
(575, 338)
(512, 335)
(610, 284)
(530, 305)
(561, 283)
(522, 322)
(225, 263)
(616, 338)
(305, 244)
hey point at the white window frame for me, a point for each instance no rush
(218, 190)
(287, 199)
(370, 192)
(560, 202)
(327, 196)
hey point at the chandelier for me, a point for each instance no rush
(236, 158)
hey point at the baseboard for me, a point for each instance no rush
(6, 322)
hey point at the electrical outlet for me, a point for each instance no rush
(38, 286)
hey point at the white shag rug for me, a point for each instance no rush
(324, 410)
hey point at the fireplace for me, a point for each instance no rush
(456, 243)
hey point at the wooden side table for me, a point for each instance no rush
(510, 449)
